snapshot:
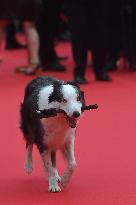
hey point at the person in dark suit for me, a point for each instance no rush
(87, 23)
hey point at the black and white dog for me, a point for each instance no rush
(49, 115)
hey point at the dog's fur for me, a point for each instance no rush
(52, 133)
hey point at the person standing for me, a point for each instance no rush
(87, 23)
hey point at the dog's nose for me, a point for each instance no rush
(76, 114)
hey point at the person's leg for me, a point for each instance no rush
(47, 26)
(32, 41)
(33, 49)
(130, 43)
(11, 41)
(78, 24)
(113, 33)
(98, 38)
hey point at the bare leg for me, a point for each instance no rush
(33, 42)
(68, 152)
(32, 38)
(29, 160)
(51, 171)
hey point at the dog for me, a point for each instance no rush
(49, 115)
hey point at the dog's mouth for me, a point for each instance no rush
(71, 121)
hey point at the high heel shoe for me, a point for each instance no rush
(30, 69)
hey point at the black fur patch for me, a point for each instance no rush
(74, 84)
(32, 128)
(57, 93)
(80, 94)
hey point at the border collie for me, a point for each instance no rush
(49, 115)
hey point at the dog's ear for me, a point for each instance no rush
(73, 83)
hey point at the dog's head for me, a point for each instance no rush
(66, 97)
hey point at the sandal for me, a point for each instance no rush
(31, 69)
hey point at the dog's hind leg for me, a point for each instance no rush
(68, 152)
(29, 160)
(51, 171)
(53, 159)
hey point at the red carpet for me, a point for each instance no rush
(105, 143)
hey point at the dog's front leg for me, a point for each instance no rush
(68, 152)
(53, 159)
(51, 171)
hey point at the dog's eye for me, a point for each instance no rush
(78, 98)
(64, 100)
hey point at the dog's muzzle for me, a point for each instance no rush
(72, 122)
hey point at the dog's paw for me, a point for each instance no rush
(54, 188)
(58, 178)
(28, 167)
(65, 179)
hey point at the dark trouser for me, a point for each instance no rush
(10, 34)
(98, 42)
(87, 32)
(121, 35)
(47, 28)
(78, 24)
(129, 35)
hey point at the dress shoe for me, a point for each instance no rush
(54, 67)
(80, 80)
(103, 77)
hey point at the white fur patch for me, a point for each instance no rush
(57, 131)
(43, 102)
(72, 105)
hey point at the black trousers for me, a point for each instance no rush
(47, 26)
(122, 30)
(129, 35)
(87, 32)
